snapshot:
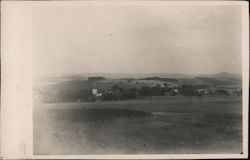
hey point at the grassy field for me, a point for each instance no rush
(164, 126)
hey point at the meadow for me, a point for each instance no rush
(165, 125)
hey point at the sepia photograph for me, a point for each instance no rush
(137, 78)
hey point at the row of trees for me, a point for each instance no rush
(190, 91)
(119, 93)
(75, 91)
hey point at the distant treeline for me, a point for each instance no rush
(119, 93)
(79, 90)
(160, 79)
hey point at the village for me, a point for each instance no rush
(97, 88)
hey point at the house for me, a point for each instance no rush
(95, 92)
(175, 90)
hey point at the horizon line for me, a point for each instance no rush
(187, 74)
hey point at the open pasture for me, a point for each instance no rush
(164, 126)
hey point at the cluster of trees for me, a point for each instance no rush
(119, 93)
(77, 90)
(161, 79)
(95, 78)
(190, 91)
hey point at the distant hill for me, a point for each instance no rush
(124, 75)
(216, 81)
(220, 75)
(223, 78)
(213, 81)
(172, 75)
(226, 74)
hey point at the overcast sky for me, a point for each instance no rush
(137, 39)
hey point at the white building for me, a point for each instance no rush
(94, 92)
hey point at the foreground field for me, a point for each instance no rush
(166, 125)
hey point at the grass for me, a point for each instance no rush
(98, 114)
(129, 128)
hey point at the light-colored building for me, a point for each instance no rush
(94, 92)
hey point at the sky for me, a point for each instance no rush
(187, 39)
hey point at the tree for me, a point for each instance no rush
(109, 97)
(129, 93)
(157, 91)
(189, 91)
(119, 93)
(115, 87)
(145, 92)
(200, 95)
